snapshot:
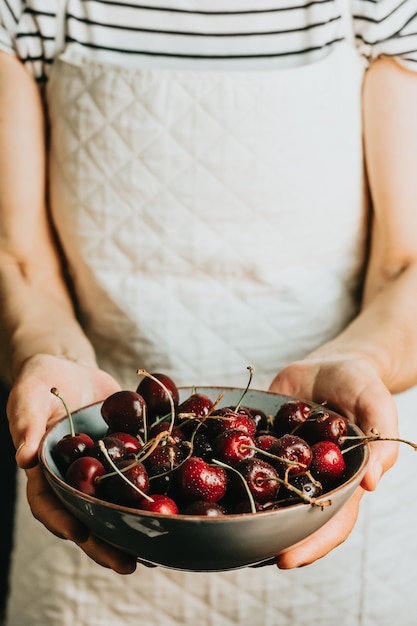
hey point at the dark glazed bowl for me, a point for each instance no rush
(198, 543)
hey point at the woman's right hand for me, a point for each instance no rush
(31, 409)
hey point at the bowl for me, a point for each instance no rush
(193, 542)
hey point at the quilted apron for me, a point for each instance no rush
(213, 220)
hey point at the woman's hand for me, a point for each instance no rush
(350, 385)
(31, 410)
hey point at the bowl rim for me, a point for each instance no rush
(64, 486)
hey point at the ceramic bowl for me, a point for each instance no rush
(198, 543)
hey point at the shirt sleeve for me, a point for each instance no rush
(10, 13)
(387, 28)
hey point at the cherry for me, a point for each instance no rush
(198, 404)
(115, 449)
(164, 452)
(228, 419)
(161, 504)
(160, 476)
(124, 411)
(159, 392)
(246, 506)
(233, 445)
(262, 421)
(201, 507)
(83, 473)
(265, 440)
(261, 478)
(290, 416)
(127, 486)
(292, 455)
(327, 464)
(305, 484)
(197, 480)
(131, 443)
(71, 446)
(324, 425)
(176, 435)
(202, 446)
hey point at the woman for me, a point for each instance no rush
(206, 208)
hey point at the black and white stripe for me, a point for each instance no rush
(220, 34)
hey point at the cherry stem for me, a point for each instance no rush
(150, 446)
(273, 456)
(120, 473)
(161, 384)
(56, 393)
(250, 368)
(301, 494)
(375, 436)
(245, 484)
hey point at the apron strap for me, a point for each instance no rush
(61, 27)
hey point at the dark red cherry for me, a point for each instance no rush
(131, 443)
(124, 411)
(129, 490)
(259, 417)
(294, 455)
(176, 435)
(228, 419)
(157, 396)
(303, 483)
(324, 425)
(167, 453)
(160, 476)
(197, 404)
(197, 480)
(82, 474)
(328, 464)
(244, 506)
(233, 445)
(161, 504)
(201, 507)
(290, 416)
(202, 445)
(69, 448)
(261, 478)
(265, 440)
(115, 449)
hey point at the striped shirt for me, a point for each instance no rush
(219, 34)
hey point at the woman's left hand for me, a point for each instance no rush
(350, 385)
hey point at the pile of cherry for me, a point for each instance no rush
(198, 458)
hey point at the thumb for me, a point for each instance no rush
(28, 415)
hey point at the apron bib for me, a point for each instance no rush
(211, 220)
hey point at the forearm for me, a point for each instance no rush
(385, 332)
(386, 329)
(37, 312)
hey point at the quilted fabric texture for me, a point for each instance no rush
(183, 198)
(171, 213)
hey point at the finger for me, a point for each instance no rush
(107, 556)
(376, 411)
(28, 414)
(320, 543)
(47, 509)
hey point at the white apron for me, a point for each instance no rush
(214, 220)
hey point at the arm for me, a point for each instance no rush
(38, 312)
(375, 355)
(42, 343)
